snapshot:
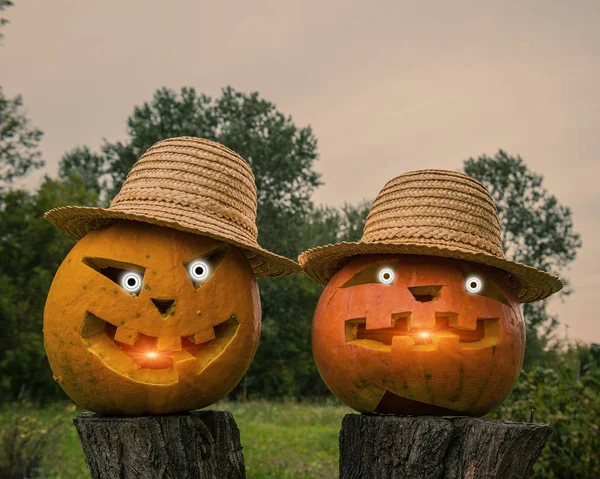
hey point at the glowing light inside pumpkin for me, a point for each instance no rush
(151, 354)
(424, 334)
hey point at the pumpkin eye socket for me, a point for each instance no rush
(128, 276)
(131, 281)
(386, 276)
(199, 270)
(473, 284)
(380, 272)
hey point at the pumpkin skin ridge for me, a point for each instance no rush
(331, 351)
(88, 380)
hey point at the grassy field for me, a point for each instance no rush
(280, 440)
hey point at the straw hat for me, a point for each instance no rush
(189, 184)
(436, 213)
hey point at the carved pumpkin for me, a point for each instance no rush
(142, 319)
(405, 334)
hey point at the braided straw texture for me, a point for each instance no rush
(433, 212)
(430, 207)
(190, 184)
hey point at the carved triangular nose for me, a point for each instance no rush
(164, 306)
(425, 293)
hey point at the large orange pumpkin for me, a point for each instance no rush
(419, 335)
(142, 319)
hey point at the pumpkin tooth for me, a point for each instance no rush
(187, 368)
(126, 335)
(202, 336)
(169, 343)
(464, 321)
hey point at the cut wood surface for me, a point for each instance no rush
(198, 445)
(430, 447)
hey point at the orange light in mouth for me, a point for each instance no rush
(151, 354)
(423, 337)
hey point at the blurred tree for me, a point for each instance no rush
(3, 21)
(284, 364)
(567, 399)
(19, 141)
(80, 164)
(536, 231)
(24, 274)
(31, 250)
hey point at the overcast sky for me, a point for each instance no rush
(388, 87)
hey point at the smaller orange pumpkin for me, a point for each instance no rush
(406, 334)
(422, 315)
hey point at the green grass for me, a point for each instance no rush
(288, 440)
(280, 439)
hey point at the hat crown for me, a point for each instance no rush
(436, 208)
(198, 176)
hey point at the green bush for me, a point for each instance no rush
(567, 397)
(28, 437)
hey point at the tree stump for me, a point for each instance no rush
(430, 447)
(198, 444)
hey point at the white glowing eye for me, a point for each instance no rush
(198, 270)
(131, 281)
(473, 284)
(386, 276)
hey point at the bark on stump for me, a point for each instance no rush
(431, 447)
(198, 444)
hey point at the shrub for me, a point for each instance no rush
(568, 398)
(27, 433)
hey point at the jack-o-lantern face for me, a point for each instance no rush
(148, 320)
(419, 335)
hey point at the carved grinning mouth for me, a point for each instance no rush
(168, 353)
(402, 336)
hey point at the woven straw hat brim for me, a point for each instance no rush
(322, 262)
(79, 220)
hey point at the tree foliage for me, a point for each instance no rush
(3, 21)
(566, 395)
(19, 141)
(536, 230)
(82, 166)
(284, 364)
(31, 250)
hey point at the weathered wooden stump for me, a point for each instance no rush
(430, 447)
(198, 444)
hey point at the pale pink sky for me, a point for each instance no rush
(387, 86)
